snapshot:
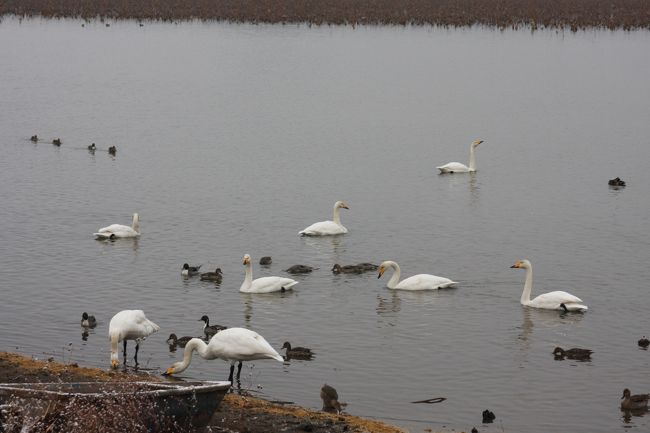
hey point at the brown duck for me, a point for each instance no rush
(575, 353)
(632, 402)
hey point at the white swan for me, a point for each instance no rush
(264, 284)
(557, 300)
(326, 228)
(232, 344)
(120, 231)
(457, 167)
(129, 325)
(416, 282)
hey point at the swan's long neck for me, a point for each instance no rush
(248, 279)
(528, 286)
(472, 158)
(136, 223)
(394, 279)
(192, 345)
(336, 217)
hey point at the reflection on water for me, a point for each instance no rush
(388, 306)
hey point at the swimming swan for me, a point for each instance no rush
(264, 284)
(326, 228)
(232, 344)
(129, 325)
(457, 167)
(120, 231)
(548, 301)
(416, 282)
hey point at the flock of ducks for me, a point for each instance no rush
(112, 150)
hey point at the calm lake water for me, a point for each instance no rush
(232, 138)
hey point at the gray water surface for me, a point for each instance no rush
(232, 138)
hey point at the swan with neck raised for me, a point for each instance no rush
(120, 231)
(327, 228)
(416, 282)
(457, 167)
(264, 284)
(129, 325)
(547, 301)
(232, 344)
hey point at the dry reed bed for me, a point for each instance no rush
(572, 14)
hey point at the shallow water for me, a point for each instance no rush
(232, 138)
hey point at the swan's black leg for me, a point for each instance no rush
(232, 370)
(125, 351)
(137, 347)
(238, 370)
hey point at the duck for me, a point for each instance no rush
(264, 284)
(212, 276)
(232, 344)
(633, 402)
(575, 353)
(457, 167)
(92, 147)
(299, 269)
(347, 269)
(57, 142)
(644, 342)
(173, 340)
(297, 352)
(488, 416)
(328, 228)
(416, 282)
(266, 260)
(129, 325)
(210, 330)
(616, 182)
(120, 231)
(547, 301)
(88, 321)
(34, 138)
(112, 150)
(330, 399)
(188, 271)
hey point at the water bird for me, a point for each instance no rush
(616, 182)
(297, 352)
(488, 416)
(129, 325)
(266, 260)
(173, 340)
(633, 402)
(644, 342)
(57, 142)
(34, 138)
(368, 266)
(416, 282)
(264, 284)
(548, 301)
(120, 231)
(212, 276)
(575, 353)
(326, 228)
(330, 399)
(188, 271)
(457, 167)
(299, 269)
(88, 321)
(233, 344)
(346, 269)
(112, 150)
(92, 147)
(210, 330)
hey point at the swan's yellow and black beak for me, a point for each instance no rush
(381, 271)
(169, 371)
(344, 206)
(477, 142)
(246, 260)
(114, 363)
(516, 265)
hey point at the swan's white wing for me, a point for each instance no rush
(119, 230)
(424, 282)
(131, 325)
(114, 228)
(453, 167)
(243, 344)
(270, 284)
(552, 301)
(324, 228)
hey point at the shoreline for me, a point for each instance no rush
(534, 14)
(236, 413)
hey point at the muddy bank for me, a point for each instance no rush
(237, 413)
(572, 14)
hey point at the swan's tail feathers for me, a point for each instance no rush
(278, 357)
(151, 327)
(449, 284)
(575, 307)
(289, 285)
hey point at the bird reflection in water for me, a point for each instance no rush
(390, 305)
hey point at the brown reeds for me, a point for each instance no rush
(572, 14)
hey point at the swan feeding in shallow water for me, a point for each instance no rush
(120, 231)
(264, 284)
(129, 325)
(457, 167)
(232, 344)
(548, 301)
(327, 228)
(416, 282)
